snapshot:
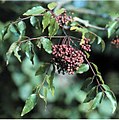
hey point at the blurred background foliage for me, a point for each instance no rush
(17, 80)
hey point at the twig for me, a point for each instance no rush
(25, 18)
(32, 39)
(87, 24)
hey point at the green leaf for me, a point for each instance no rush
(59, 11)
(17, 49)
(97, 100)
(100, 78)
(38, 44)
(52, 5)
(10, 51)
(49, 79)
(35, 11)
(46, 20)
(42, 69)
(91, 94)
(110, 95)
(103, 45)
(22, 27)
(4, 31)
(83, 30)
(112, 27)
(13, 28)
(34, 22)
(86, 83)
(83, 68)
(99, 40)
(95, 66)
(47, 45)
(29, 50)
(29, 104)
(87, 54)
(45, 94)
(106, 87)
(53, 28)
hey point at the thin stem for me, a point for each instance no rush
(91, 69)
(32, 39)
(25, 18)
(93, 73)
(87, 24)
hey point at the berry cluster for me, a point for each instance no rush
(63, 19)
(66, 58)
(85, 44)
(115, 42)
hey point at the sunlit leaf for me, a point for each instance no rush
(59, 11)
(13, 28)
(47, 44)
(83, 68)
(91, 94)
(112, 99)
(29, 104)
(46, 20)
(35, 11)
(53, 27)
(111, 27)
(99, 40)
(97, 100)
(22, 27)
(106, 87)
(34, 22)
(38, 44)
(52, 5)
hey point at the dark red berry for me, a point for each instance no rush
(66, 58)
(85, 44)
